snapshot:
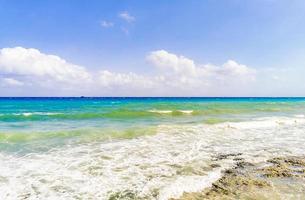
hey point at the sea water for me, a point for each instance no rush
(149, 148)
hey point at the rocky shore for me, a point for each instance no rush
(277, 178)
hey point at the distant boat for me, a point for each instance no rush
(82, 97)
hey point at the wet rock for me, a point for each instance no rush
(238, 159)
(229, 171)
(285, 167)
(252, 181)
(295, 162)
(243, 164)
(225, 156)
(230, 186)
(124, 195)
(276, 171)
(214, 165)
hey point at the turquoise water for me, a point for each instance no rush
(138, 148)
(57, 121)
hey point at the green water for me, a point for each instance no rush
(151, 148)
(57, 121)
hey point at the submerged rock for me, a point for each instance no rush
(285, 167)
(226, 156)
(126, 195)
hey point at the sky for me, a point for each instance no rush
(152, 48)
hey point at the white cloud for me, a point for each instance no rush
(107, 78)
(184, 76)
(11, 82)
(186, 67)
(106, 24)
(127, 17)
(174, 76)
(178, 75)
(233, 68)
(31, 62)
(171, 62)
(131, 80)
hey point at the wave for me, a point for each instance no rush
(299, 116)
(179, 158)
(161, 111)
(80, 135)
(186, 111)
(115, 114)
(265, 122)
(36, 116)
(91, 134)
(135, 113)
(171, 111)
(26, 114)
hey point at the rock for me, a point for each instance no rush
(285, 167)
(225, 156)
(250, 181)
(214, 165)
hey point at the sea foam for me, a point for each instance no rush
(149, 167)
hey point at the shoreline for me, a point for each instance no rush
(181, 162)
(276, 178)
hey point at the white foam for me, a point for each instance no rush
(186, 111)
(26, 114)
(148, 165)
(161, 111)
(170, 111)
(189, 184)
(263, 123)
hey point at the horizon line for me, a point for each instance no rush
(153, 97)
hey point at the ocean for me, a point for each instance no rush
(137, 148)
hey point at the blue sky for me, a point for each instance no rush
(119, 37)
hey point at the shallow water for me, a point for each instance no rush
(138, 148)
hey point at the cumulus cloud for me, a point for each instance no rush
(127, 17)
(180, 75)
(106, 24)
(10, 82)
(171, 62)
(183, 66)
(231, 67)
(31, 62)
(109, 79)
(175, 75)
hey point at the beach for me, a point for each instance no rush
(152, 148)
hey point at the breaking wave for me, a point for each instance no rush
(162, 165)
